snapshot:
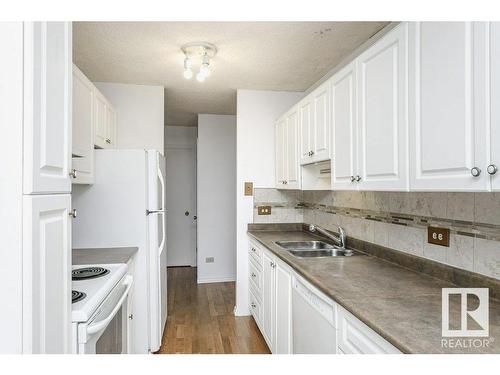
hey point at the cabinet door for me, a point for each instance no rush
(47, 107)
(110, 127)
(382, 113)
(494, 160)
(83, 123)
(344, 159)
(321, 125)
(447, 106)
(280, 153)
(268, 304)
(283, 319)
(292, 160)
(101, 127)
(306, 116)
(46, 274)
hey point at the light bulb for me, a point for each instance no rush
(200, 77)
(205, 70)
(187, 63)
(188, 73)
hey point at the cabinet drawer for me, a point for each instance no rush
(255, 252)
(255, 307)
(357, 338)
(255, 276)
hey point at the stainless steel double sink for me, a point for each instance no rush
(314, 249)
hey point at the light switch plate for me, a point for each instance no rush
(438, 236)
(264, 210)
(249, 188)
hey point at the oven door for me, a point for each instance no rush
(107, 331)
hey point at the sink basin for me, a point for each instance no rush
(312, 245)
(314, 249)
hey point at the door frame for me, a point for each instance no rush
(193, 148)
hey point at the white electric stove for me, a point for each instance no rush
(100, 308)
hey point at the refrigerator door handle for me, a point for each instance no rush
(160, 211)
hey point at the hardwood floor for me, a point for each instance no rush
(201, 320)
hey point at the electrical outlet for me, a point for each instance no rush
(249, 188)
(264, 210)
(209, 260)
(438, 236)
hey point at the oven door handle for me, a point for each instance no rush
(96, 327)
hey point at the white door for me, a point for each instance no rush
(321, 125)
(47, 107)
(46, 274)
(268, 298)
(283, 319)
(292, 160)
(447, 106)
(306, 119)
(494, 160)
(181, 206)
(382, 113)
(281, 153)
(344, 158)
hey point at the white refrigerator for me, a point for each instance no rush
(126, 207)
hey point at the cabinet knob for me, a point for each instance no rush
(285, 182)
(253, 274)
(353, 179)
(253, 305)
(475, 172)
(312, 153)
(492, 169)
(253, 249)
(73, 173)
(108, 141)
(358, 178)
(131, 316)
(72, 213)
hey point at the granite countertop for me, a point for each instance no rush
(401, 305)
(110, 255)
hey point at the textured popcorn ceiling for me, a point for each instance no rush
(287, 56)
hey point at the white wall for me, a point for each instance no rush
(139, 114)
(255, 158)
(180, 135)
(216, 197)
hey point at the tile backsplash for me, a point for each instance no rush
(399, 221)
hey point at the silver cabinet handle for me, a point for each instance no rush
(72, 213)
(492, 169)
(131, 316)
(253, 305)
(253, 249)
(312, 153)
(73, 173)
(108, 141)
(475, 172)
(353, 179)
(285, 182)
(159, 211)
(358, 178)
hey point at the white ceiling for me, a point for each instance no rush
(287, 56)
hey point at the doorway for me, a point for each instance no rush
(181, 205)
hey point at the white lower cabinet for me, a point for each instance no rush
(354, 337)
(46, 274)
(286, 309)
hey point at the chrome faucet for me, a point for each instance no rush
(339, 241)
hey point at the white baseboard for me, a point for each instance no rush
(241, 311)
(217, 280)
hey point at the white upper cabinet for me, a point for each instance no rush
(281, 152)
(46, 274)
(83, 124)
(448, 87)
(382, 113)
(314, 124)
(287, 162)
(47, 110)
(105, 122)
(493, 163)
(344, 128)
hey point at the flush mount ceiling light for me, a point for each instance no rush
(195, 52)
